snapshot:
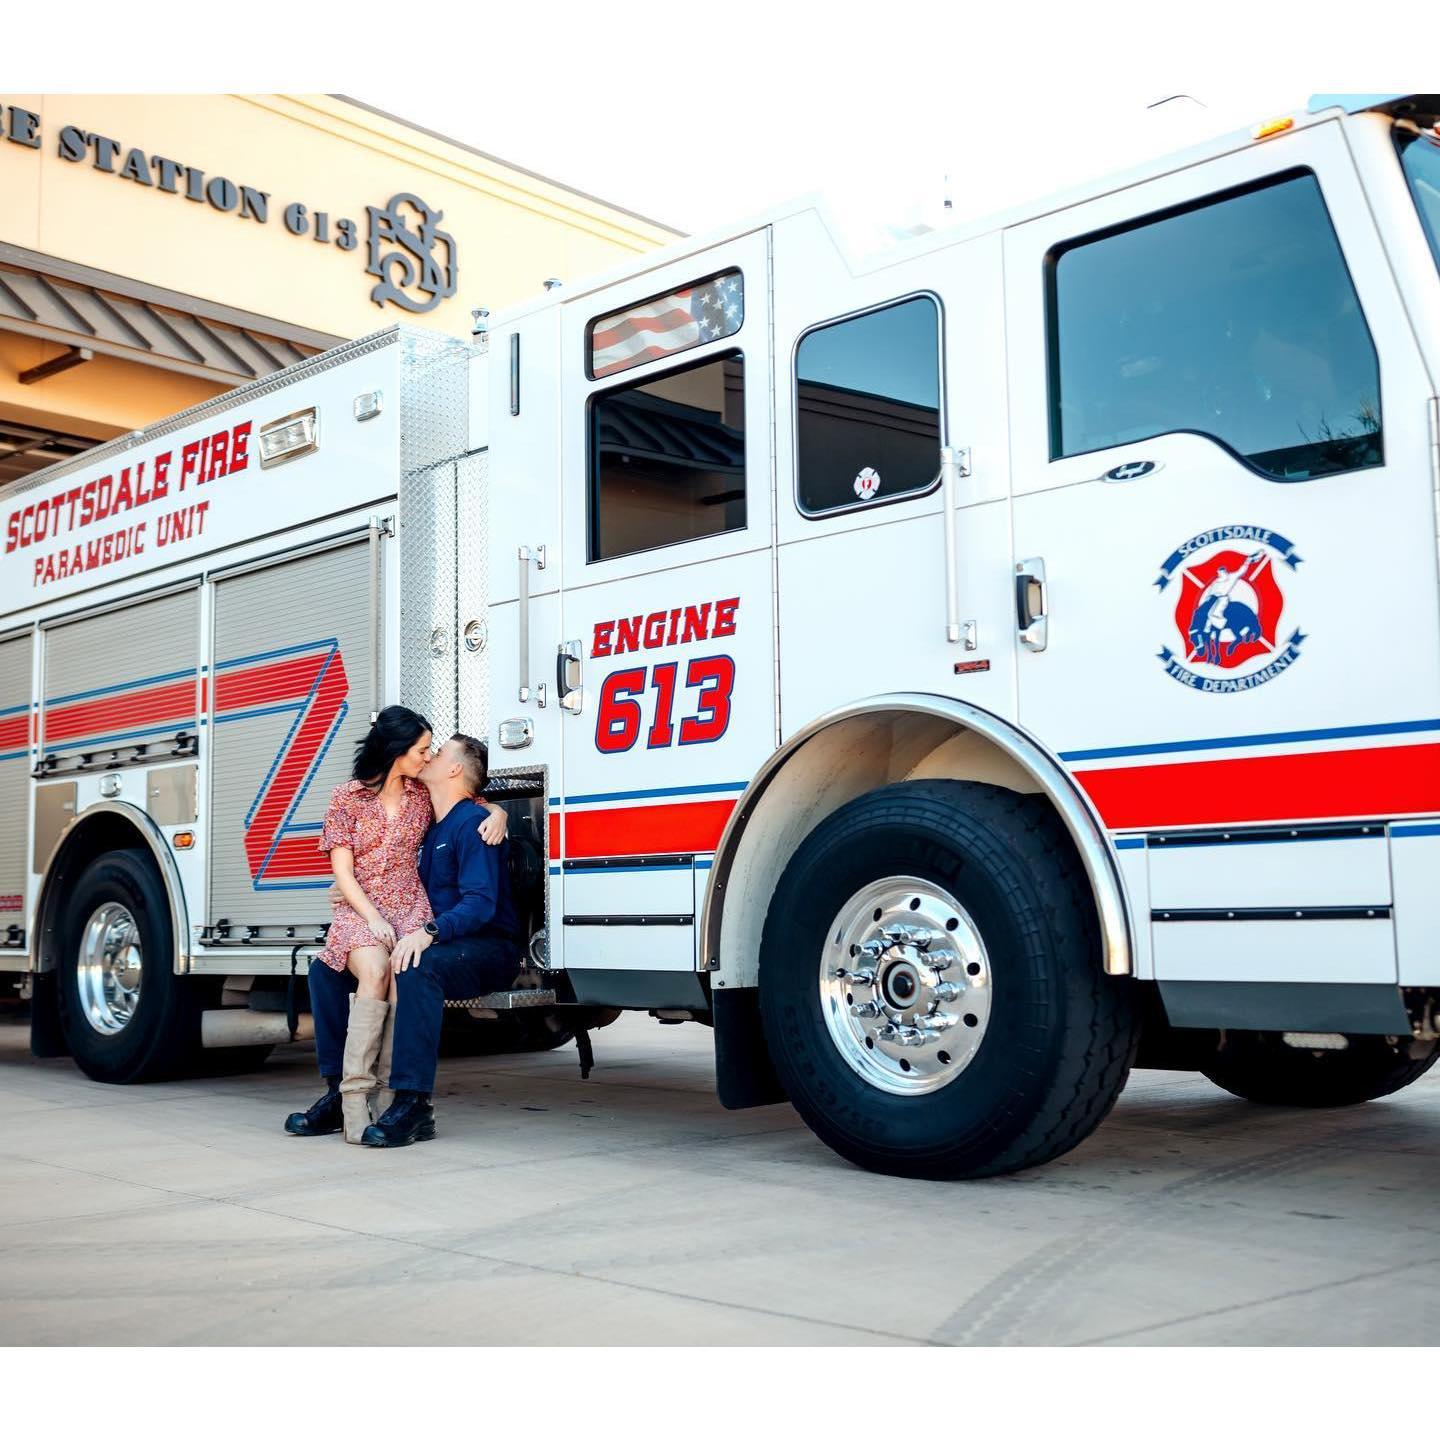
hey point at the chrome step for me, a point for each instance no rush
(505, 1000)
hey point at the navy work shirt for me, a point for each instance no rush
(468, 881)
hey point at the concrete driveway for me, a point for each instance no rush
(631, 1208)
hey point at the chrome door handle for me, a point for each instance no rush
(568, 655)
(1032, 604)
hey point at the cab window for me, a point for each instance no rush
(867, 398)
(1420, 160)
(667, 459)
(1234, 317)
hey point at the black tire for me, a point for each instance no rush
(1061, 1034)
(162, 1037)
(1259, 1066)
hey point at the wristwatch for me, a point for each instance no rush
(432, 929)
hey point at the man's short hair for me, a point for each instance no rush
(474, 758)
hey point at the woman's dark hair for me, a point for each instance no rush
(395, 730)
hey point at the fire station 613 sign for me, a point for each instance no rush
(413, 260)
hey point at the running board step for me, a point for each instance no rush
(505, 1000)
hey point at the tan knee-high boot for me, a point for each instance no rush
(384, 1097)
(362, 1047)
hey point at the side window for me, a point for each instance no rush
(1235, 317)
(1420, 160)
(867, 398)
(667, 459)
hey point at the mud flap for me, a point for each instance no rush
(47, 1040)
(744, 1075)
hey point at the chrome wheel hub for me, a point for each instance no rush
(110, 968)
(905, 985)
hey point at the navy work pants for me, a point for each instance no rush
(330, 992)
(448, 970)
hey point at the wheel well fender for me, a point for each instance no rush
(105, 826)
(863, 747)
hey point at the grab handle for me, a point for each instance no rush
(528, 557)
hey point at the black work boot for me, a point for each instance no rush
(323, 1117)
(409, 1119)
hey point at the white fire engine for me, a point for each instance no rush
(955, 676)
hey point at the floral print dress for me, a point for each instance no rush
(387, 861)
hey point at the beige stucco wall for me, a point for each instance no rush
(512, 230)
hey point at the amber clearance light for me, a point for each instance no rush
(1273, 127)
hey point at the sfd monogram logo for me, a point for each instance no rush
(424, 258)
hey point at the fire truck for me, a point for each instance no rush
(955, 676)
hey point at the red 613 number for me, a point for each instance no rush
(620, 719)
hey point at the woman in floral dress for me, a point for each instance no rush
(373, 830)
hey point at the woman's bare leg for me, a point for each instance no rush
(370, 965)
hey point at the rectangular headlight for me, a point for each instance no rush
(289, 437)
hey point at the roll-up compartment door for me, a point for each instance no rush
(294, 687)
(14, 778)
(121, 687)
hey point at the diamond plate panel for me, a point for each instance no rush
(434, 433)
(473, 591)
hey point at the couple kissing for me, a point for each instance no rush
(423, 914)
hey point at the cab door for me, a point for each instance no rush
(665, 668)
(1225, 552)
(885, 369)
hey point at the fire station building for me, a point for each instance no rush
(155, 250)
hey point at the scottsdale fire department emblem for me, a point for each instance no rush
(1229, 609)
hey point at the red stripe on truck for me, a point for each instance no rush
(296, 762)
(687, 829)
(114, 714)
(1321, 785)
(269, 684)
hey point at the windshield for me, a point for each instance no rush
(1420, 160)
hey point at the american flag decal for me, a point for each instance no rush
(668, 324)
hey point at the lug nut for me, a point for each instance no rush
(946, 991)
(866, 1009)
(920, 936)
(903, 1035)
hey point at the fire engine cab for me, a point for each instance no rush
(955, 676)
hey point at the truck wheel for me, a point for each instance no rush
(931, 985)
(126, 1015)
(1260, 1066)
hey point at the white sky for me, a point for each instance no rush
(697, 114)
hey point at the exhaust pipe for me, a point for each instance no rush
(221, 1029)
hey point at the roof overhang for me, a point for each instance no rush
(72, 305)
